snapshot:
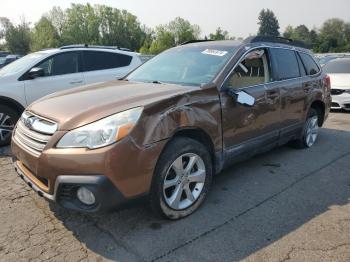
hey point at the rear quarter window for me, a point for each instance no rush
(309, 63)
(285, 63)
(99, 60)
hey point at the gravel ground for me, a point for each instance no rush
(285, 205)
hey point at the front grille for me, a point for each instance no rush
(33, 135)
(337, 91)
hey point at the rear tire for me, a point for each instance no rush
(182, 178)
(8, 120)
(310, 130)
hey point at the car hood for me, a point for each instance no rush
(86, 104)
(7, 78)
(340, 81)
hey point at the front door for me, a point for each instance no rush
(249, 128)
(62, 71)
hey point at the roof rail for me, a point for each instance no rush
(278, 39)
(95, 46)
(195, 41)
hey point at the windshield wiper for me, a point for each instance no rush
(158, 82)
(123, 79)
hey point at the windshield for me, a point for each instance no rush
(183, 66)
(339, 66)
(2, 60)
(21, 64)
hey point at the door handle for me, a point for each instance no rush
(76, 82)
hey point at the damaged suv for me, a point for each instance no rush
(170, 125)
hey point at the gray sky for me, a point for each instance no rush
(237, 17)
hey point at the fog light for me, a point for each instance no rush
(86, 196)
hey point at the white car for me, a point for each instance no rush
(339, 72)
(48, 71)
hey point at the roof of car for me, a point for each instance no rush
(254, 41)
(222, 44)
(82, 48)
(339, 60)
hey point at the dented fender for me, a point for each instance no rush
(195, 109)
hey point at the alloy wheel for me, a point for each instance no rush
(184, 181)
(6, 127)
(311, 131)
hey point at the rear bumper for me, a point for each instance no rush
(65, 192)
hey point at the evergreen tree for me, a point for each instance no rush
(269, 24)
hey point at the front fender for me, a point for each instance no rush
(198, 109)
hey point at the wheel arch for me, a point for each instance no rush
(12, 104)
(320, 107)
(200, 136)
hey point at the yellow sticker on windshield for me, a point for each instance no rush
(214, 52)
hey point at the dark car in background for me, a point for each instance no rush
(4, 53)
(5, 60)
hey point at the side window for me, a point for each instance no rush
(61, 64)
(285, 63)
(98, 60)
(301, 67)
(252, 70)
(310, 64)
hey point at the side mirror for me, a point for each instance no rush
(36, 72)
(241, 97)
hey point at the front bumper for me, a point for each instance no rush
(65, 192)
(115, 174)
(341, 101)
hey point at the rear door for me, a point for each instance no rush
(311, 70)
(287, 78)
(62, 71)
(100, 66)
(248, 129)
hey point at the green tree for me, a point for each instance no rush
(58, 18)
(44, 35)
(119, 28)
(18, 38)
(149, 36)
(288, 33)
(219, 35)
(269, 24)
(4, 25)
(164, 39)
(301, 33)
(81, 26)
(174, 33)
(334, 36)
(183, 31)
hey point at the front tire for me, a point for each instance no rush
(182, 178)
(8, 119)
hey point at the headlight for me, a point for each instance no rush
(103, 132)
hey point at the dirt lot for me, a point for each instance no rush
(286, 205)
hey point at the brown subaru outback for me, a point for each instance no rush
(165, 129)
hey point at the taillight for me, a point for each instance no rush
(327, 79)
